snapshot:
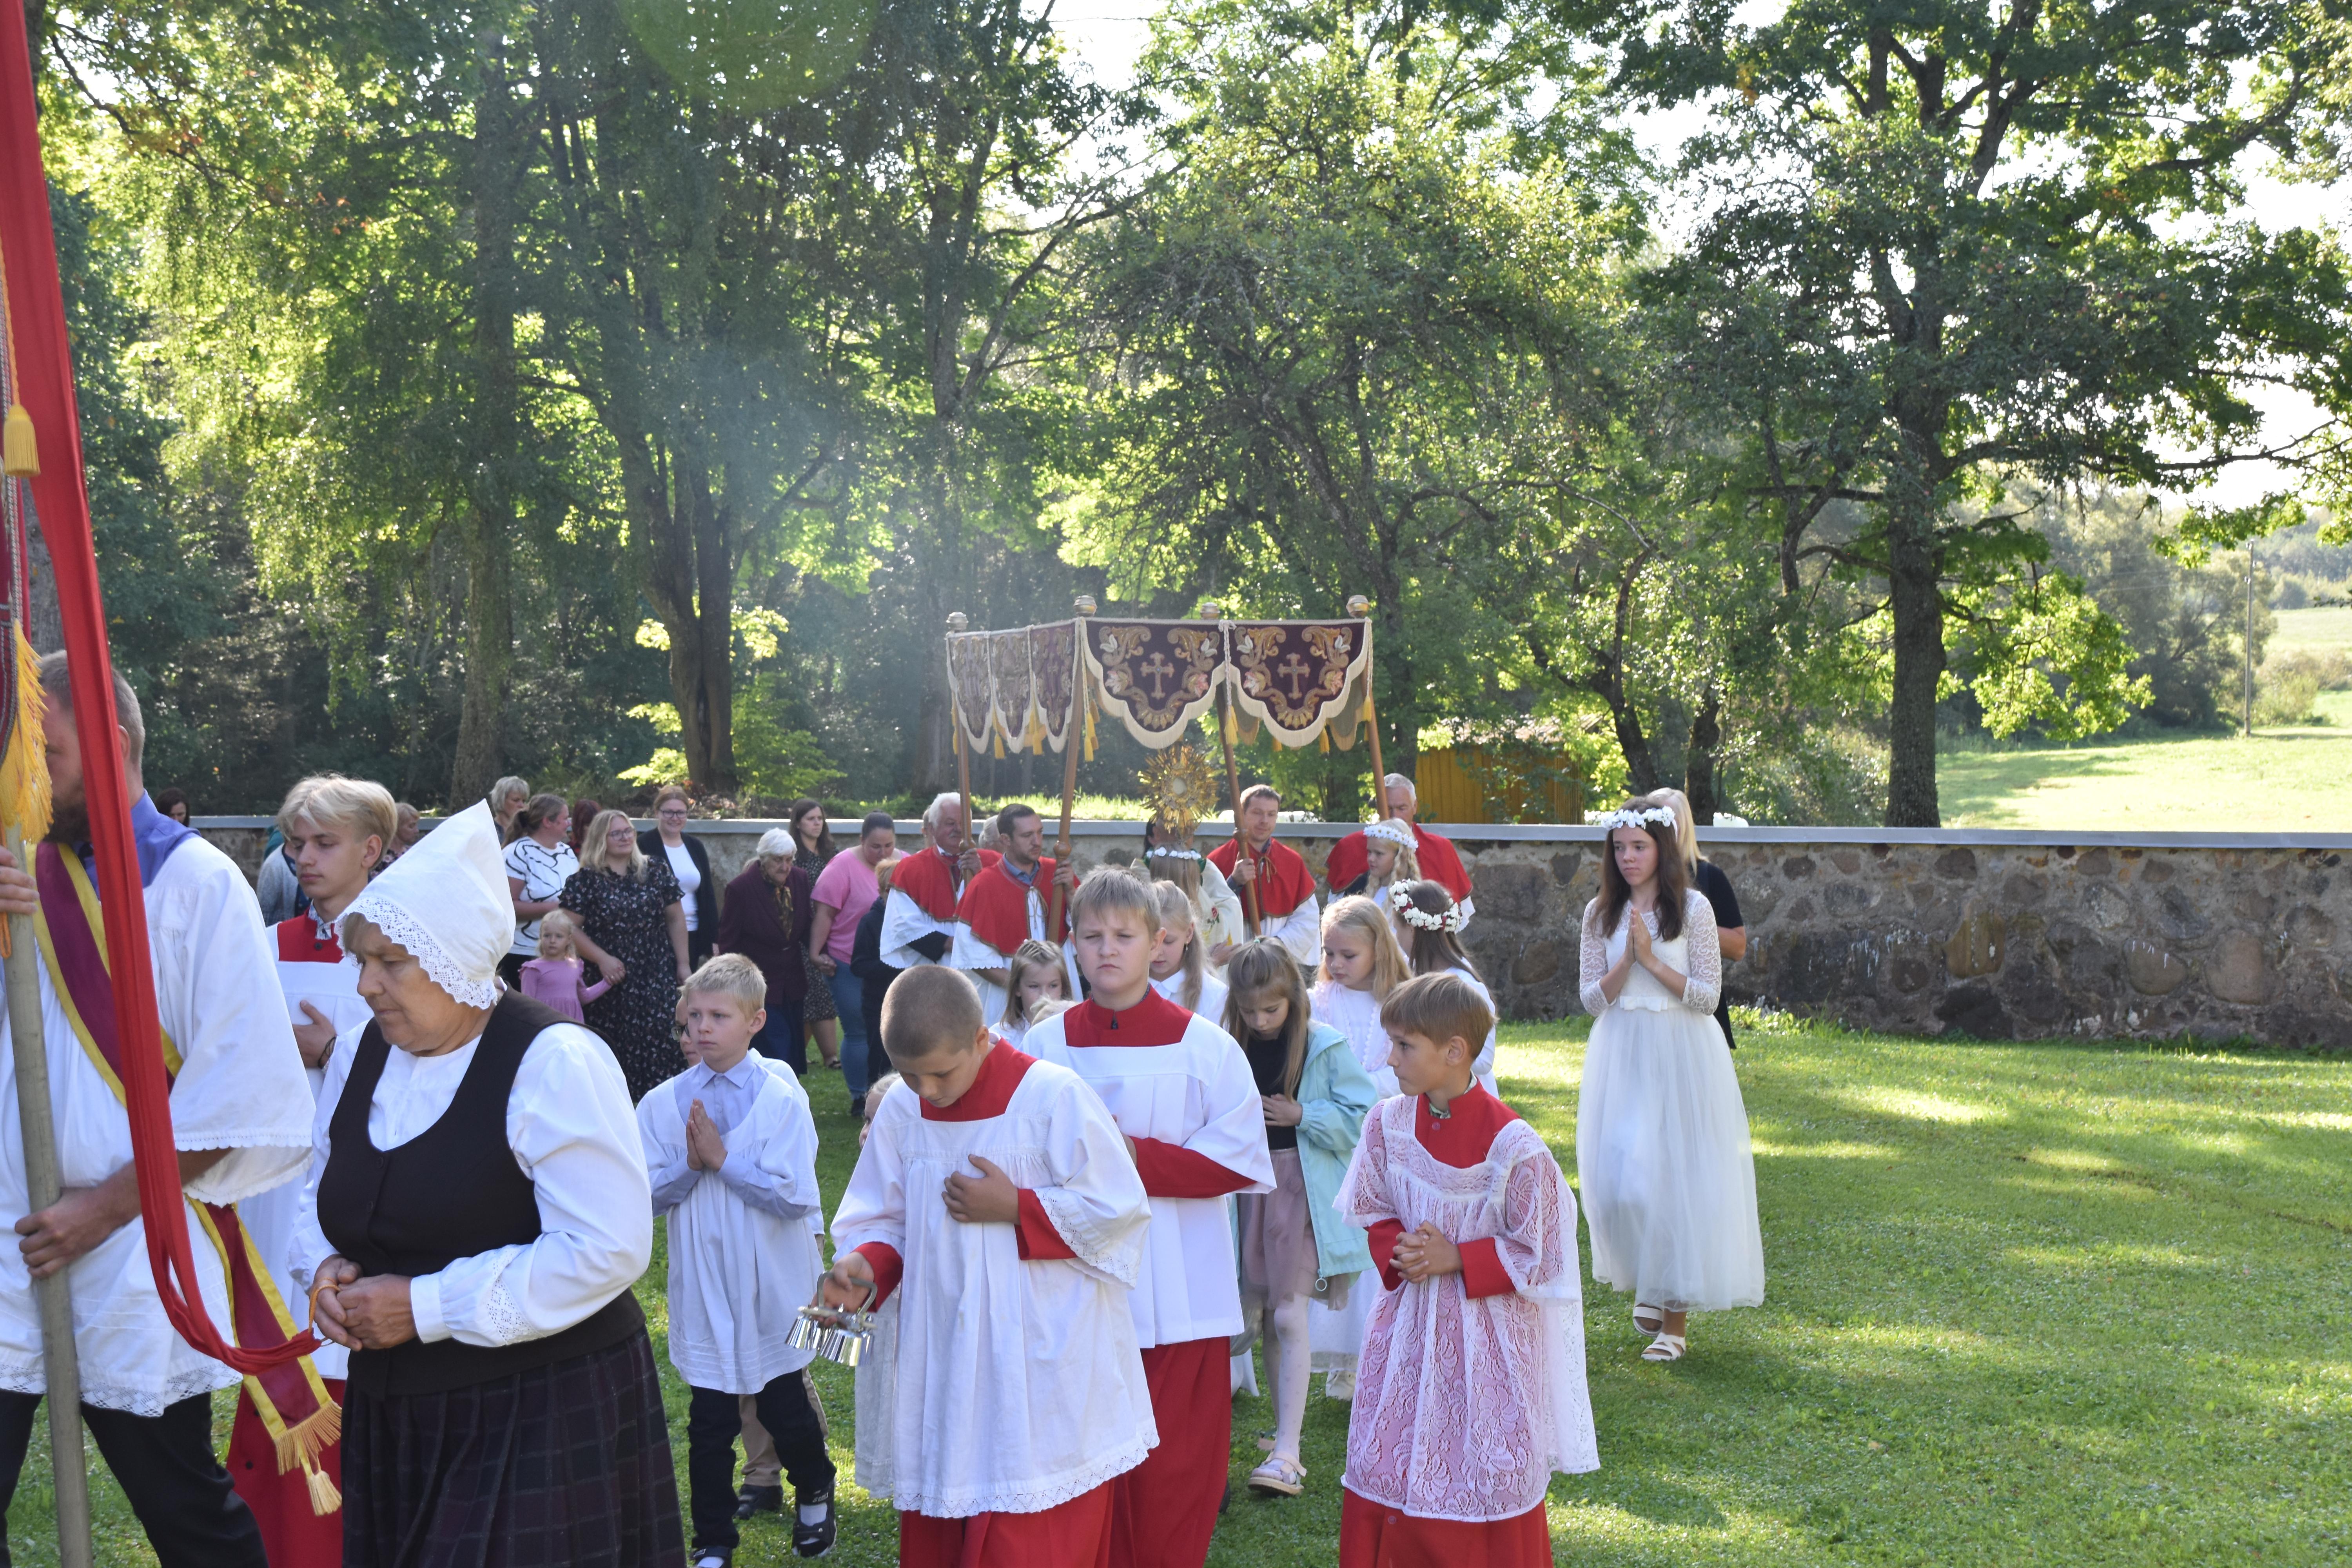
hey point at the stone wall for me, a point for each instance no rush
(1996, 934)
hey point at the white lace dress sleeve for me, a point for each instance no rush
(1703, 983)
(1592, 962)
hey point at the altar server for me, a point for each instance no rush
(731, 1149)
(918, 911)
(476, 1211)
(1471, 1390)
(337, 830)
(1183, 1095)
(1286, 890)
(237, 1095)
(1007, 905)
(1002, 1394)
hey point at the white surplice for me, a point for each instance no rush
(906, 922)
(995, 1384)
(1199, 1094)
(572, 1131)
(240, 1088)
(743, 1258)
(1213, 995)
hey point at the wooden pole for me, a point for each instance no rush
(1209, 611)
(957, 622)
(1358, 605)
(61, 1369)
(1073, 738)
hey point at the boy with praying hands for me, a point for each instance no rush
(1003, 1392)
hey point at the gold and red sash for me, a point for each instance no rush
(291, 1399)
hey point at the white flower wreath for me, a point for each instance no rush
(1648, 816)
(1420, 919)
(1165, 852)
(1382, 831)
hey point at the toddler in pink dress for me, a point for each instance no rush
(555, 976)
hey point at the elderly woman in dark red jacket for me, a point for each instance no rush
(765, 917)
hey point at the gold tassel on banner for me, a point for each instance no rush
(996, 738)
(1035, 740)
(24, 769)
(324, 1498)
(1323, 740)
(20, 454)
(1090, 728)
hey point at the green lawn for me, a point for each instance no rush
(2054, 1303)
(2315, 630)
(2282, 780)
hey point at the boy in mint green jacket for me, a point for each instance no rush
(1292, 1246)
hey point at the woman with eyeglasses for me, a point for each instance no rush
(690, 864)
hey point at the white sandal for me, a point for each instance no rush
(1655, 1320)
(1280, 1474)
(1666, 1347)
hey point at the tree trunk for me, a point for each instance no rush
(489, 513)
(1917, 605)
(1698, 761)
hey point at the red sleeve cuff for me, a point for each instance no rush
(1172, 1170)
(1383, 1236)
(888, 1268)
(1482, 1270)
(1038, 1239)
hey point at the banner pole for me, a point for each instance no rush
(1072, 730)
(1211, 610)
(1360, 607)
(61, 1368)
(957, 623)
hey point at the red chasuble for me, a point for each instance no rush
(1283, 880)
(1440, 862)
(1461, 1139)
(995, 907)
(991, 1092)
(927, 877)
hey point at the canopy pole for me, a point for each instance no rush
(1073, 731)
(61, 1369)
(1211, 610)
(1358, 605)
(957, 622)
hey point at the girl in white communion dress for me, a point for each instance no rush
(1662, 1146)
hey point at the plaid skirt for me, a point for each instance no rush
(568, 1464)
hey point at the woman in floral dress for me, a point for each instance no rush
(632, 928)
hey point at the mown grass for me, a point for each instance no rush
(2049, 1303)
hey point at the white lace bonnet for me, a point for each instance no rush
(448, 903)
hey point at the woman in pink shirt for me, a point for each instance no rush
(843, 890)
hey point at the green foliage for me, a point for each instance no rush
(2045, 654)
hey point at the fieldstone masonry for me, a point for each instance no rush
(2001, 935)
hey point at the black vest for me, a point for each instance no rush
(452, 1191)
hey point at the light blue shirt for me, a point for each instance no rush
(727, 1098)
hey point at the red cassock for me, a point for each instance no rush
(1373, 1536)
(292, 1535)
(995, 907)
(1440, 862)
(1283, 880)
(927, 877)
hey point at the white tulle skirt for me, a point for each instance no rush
(1667, 1179)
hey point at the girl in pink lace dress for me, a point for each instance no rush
(1470, 1393)
(1662, 1146)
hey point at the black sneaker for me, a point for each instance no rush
(759, 1500)
(815, 1539)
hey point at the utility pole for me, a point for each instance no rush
(2248, 641)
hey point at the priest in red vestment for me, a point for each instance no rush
(1440, 861)
(919, 914)
(1285, 905)
(1007, 904)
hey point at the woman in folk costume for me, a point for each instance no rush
(1662, 1146)
(918, 913)
(236, 1095)
(337, 830)
(478, 1209)
(1007, 905)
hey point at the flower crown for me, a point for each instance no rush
(1647, 816)
(1414, 915)
(1165, 852)
(1382, 831)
